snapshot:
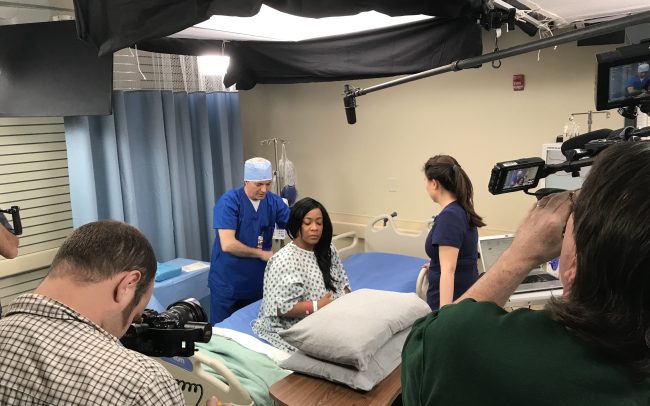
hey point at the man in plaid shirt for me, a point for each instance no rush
(59, 345)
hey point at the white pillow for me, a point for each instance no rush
(380, 365)
(352, 328)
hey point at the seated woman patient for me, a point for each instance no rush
(304, 276)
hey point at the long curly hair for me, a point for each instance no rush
(322, 249)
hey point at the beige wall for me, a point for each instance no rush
(473, 115)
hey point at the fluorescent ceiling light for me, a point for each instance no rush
(213, 65)
(272, 25)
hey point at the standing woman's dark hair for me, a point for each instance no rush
(446, 170)
(322, 249)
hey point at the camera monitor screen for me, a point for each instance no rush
(518, 178)
(631, 80)
(623, 77)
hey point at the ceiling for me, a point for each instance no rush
(272, 25)
(567, 12)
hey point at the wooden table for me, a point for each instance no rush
(302, 390)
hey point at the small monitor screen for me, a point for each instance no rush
(629, 81)
(521, 177)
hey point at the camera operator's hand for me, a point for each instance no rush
(539, 236)
(8, 241)
(538, 239)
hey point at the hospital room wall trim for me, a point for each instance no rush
(375, 166)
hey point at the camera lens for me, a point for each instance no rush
(187, 310)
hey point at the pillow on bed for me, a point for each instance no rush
(353, 327)
(380, 365)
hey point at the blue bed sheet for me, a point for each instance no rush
(369, 270)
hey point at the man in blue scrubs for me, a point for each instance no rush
(637, 84)
(244, 219)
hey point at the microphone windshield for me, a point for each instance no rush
(580, 140)
(350, 104)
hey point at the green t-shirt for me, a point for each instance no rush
(478, 354)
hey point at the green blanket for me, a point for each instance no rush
(255, 371)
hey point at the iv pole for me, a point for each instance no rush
(276, 173)
(589, 114)
(275, 142)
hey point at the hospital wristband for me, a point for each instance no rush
(314, 305)
(308, 304)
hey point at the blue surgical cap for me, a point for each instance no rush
(644, 67)
(256, 169)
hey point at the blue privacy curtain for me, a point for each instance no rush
(158, 163)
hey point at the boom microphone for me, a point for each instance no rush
(350, 104)
(580, 140)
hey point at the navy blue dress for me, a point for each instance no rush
(451, 228)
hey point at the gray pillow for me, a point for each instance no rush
(353, 327)
(380, 365)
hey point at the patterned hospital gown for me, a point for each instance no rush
(292, 275)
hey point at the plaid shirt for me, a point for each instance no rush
(52, 355)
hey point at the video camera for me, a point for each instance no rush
(623, 82)
(170, 333)
(623, 79)
(15, 219)
(524, 174)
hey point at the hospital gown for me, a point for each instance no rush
(292, 275)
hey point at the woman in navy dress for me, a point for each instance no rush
(452, 243)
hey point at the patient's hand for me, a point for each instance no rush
(213, 401)
(325, 300)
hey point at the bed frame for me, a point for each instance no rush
(388, 238)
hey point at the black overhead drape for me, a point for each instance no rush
(111, 24)
(404, 49)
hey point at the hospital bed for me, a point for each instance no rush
(383, 266)
(392, 261)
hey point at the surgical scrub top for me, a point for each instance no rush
(234, 276)
(451, 228)
(637, 83)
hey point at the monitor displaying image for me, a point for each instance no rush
(623, 77)
(520, 177)
(629, 81)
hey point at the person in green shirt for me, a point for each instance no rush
(589, 347)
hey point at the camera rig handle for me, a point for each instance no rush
(15, 219)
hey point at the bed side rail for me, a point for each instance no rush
(198, 385)
(349, 249)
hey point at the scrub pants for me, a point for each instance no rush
(222, 307)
